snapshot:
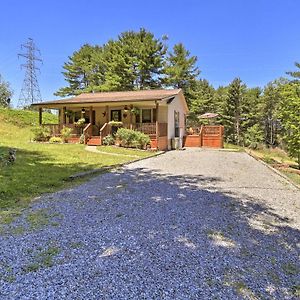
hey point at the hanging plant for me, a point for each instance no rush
(135, 111)
(80, 122)
(69, 113)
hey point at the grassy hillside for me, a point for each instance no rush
(39, 168)
(24, 117)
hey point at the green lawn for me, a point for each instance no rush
(42, 168)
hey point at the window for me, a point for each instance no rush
(176, 123)
(146, 116)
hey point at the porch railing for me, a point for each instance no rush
(104, 131)
(54, 128)
(87, 132)
(147, 128)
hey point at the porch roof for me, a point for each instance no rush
(114, 97)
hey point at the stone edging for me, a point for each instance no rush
(273, 169)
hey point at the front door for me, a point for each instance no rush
(116, 116)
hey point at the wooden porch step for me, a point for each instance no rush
(94, 141)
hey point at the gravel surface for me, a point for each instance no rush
(193, 224)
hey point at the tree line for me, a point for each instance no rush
(138, 60)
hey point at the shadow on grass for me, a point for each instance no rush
(32, 174)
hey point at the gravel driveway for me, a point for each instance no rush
(193, 224)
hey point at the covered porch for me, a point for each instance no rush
(149, 117)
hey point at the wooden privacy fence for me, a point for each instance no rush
(213, 136)
(205, 136)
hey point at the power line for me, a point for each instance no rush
(30, 92)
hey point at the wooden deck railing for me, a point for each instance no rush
(147, 128)
(54, 128)
(104, 131)
(87, 132)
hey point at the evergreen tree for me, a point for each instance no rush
(232, 110)
(295, 74)
(269, 109)
(203, 101)
(5, 93)
(289, 113)
(135, 61)
(181, 71)
(251, 120)
(81, 71)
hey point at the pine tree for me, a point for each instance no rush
(289, 113)
(232, 110)
(82, 71)
(135, 61)
(181, 71)
(203, 101)
(269, 109)
(5, 93)
(295, 74)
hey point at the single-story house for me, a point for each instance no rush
(159, 113)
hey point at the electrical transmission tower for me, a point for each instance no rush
(30, 91)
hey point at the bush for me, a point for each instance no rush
(56, 140)
(66, 133)
(115, 123)
(108, 140)
(41, 134)
(132, 138)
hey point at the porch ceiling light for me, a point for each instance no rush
(83, 111)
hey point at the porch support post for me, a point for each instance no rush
(59, 118)
(157, 124)
(91, 114)
(106, 114)
(130, 120)
(64, 115)
(40, 116)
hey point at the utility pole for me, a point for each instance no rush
(30, 92)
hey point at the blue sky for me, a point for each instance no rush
(257, 40)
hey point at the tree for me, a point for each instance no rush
(203, 101)
(181, 71)
(135, 61)
(232, 110)
(5, 93)
(289, 113)
(295, 74)
(269, 109)
(83, 71)
(251, 117)
(132, 62)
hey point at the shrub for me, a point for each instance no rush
(41, 134)
(132, 138)
(108, 140)
(115, 123)
(143, 140)
(55, 140)
(66, 133)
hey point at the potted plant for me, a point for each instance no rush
(80, 124)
